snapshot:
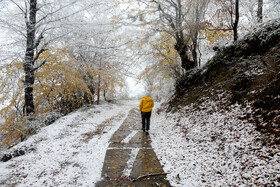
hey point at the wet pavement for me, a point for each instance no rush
(130, 160)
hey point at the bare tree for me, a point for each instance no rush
(185, 22)
(31, 44)
(182, 20)
(229, 15)
(199, 12)
(39, 24)
(260, 11)
(235, 22)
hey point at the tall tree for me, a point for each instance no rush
(39, 24)
(29, 59)
(185, 22)
(181, 20)
(228, 13)
(200, 8)
(260, 11)
(235, 22)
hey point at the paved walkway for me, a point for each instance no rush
(130, 160)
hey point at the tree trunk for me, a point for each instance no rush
(260, 11)
(235, 24)
(98, 89)
(28, 64)
(182, 49)
(194, 52)
(104, 94)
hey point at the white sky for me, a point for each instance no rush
(135, 90)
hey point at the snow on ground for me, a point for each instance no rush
(69, 152)
(206, 147)
(213, 147)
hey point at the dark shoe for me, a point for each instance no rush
(144, 130)
(147, 132)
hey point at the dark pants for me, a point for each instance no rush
(146, 116)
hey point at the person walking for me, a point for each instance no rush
(146, 105)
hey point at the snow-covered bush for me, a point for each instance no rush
(52, 117)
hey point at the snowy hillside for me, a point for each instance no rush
(211, 146)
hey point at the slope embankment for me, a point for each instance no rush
(246, 72)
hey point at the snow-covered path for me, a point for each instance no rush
(69, 152)
(130, 159)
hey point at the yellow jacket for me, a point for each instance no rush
(146, 104)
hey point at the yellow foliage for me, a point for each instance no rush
(110, 79)
(212, 35)
(61, 79)
(168, 59)
(61, 84)
(167, 62)
(12, 90)
(12, 130)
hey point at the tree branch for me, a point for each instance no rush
(43, 63)
(150, 175)
(38, 55)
